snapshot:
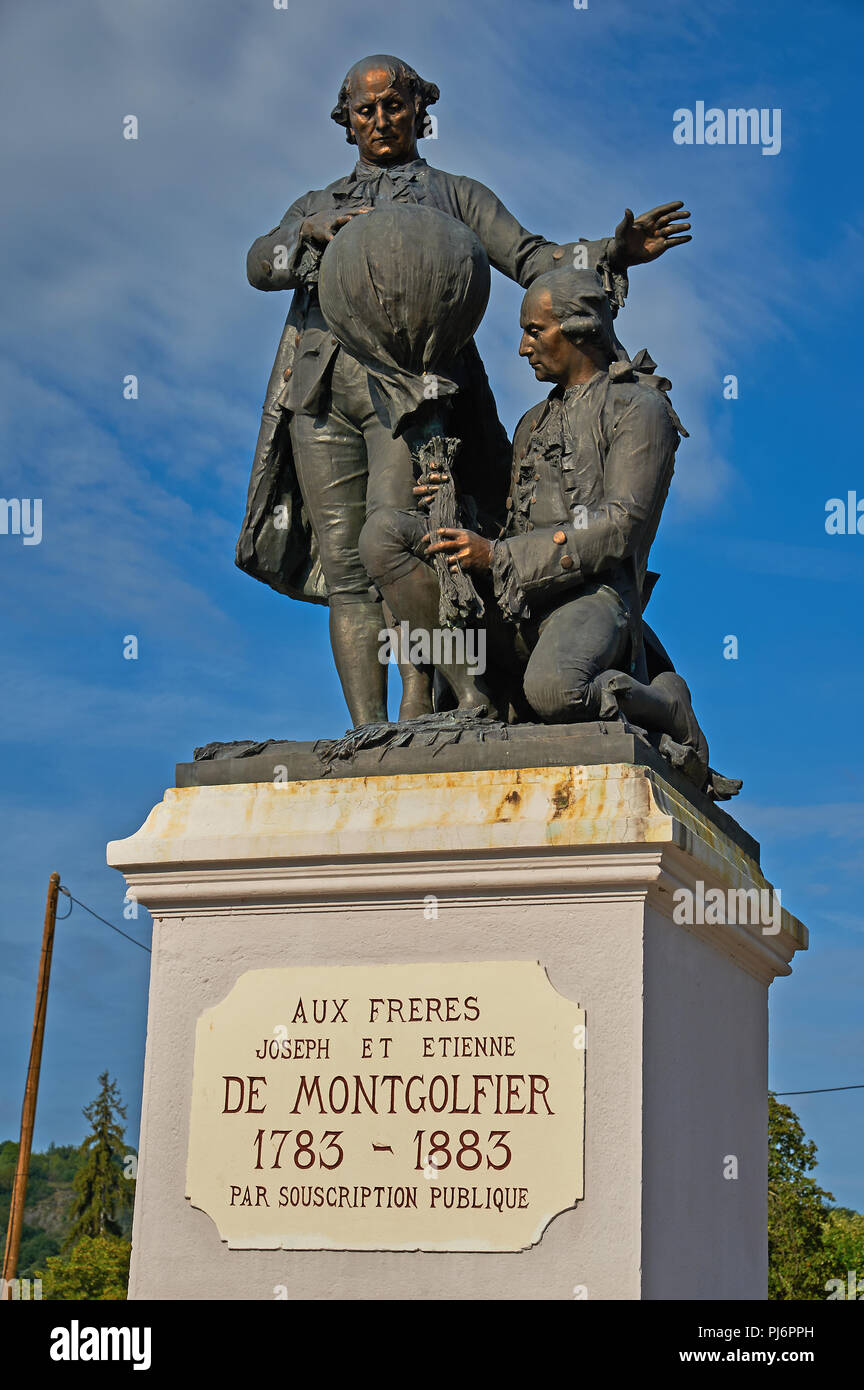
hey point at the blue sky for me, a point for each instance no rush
(128, 257)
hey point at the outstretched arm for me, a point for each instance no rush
(523, 255)
(519, 254)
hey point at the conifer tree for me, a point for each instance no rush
(101, 1189)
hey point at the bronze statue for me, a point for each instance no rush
(327, 457)
(565, 584)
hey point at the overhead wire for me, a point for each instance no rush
(124, 934)
(820, 1090)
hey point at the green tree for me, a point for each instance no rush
(101, 1187)
(36, 1246)
(98, 1268)
(844, 1242)
(798, 1262)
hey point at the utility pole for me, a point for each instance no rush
(28, 1111)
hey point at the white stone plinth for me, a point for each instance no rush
(574, 867)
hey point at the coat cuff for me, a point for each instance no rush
(615, 282)
(533, 568)
(282, 262)
(594, 255)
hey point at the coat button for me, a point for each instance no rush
(286, 375)
(566, 562)
(267, 267)
(559, 538)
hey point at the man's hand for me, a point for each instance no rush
(321, 227)
(427, 486)
(463, 549)
(645, 238)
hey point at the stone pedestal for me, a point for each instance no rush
(580, 868)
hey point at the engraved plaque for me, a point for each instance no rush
(388, 1107)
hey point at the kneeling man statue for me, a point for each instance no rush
(565, 583)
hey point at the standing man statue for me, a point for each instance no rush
(326, 458)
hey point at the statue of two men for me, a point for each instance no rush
(561, 527)
(326, 460)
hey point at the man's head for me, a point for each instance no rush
(382, 104)
(566, 322)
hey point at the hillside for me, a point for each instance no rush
(49, 1197)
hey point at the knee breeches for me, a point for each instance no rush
(348, 465)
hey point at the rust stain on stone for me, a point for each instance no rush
(511, 803)
(562, 797)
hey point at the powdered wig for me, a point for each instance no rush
(581, 306)
(426, 93)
